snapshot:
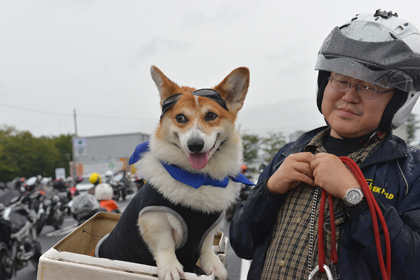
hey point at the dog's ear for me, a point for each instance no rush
(165, 86)
(234, 88)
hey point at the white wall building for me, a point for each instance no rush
(101, 153)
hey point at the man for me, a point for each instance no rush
(365, 90)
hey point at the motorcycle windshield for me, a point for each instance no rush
(17, 221)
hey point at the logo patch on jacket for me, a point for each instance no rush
(379, 190)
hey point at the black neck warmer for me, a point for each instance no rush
(344, 147)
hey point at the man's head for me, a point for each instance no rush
(379, 51)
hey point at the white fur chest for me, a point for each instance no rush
(205, 199)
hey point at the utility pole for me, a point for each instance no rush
(75, 122)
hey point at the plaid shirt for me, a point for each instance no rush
(288, 253)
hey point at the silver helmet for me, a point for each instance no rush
(378, 48)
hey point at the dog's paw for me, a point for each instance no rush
(170, 271)
(211, 263)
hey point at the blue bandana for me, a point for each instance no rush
(194, 180)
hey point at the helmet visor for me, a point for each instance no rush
(372, 74)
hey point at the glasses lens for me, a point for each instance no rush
(340, 83)
(367, 91)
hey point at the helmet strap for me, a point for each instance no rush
(397, 100)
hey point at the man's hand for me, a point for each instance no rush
(332, 175)
(295, 169)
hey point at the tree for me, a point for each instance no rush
(63, 144)
(7, 170)
(23, 155)
(250, 147)
(412, 126)
(272, 144)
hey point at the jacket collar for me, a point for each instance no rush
(392, 147)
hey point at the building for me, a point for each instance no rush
(102, 153)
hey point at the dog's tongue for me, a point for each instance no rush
(198, 160)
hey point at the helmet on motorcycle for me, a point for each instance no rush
(108, 175)
(104, 192)
(244, 167)
(95, 178)
(378, 48)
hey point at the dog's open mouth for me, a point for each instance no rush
(198, 160)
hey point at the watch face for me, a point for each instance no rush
(354, 196)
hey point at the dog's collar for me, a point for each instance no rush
(194, 180)
(205, 92)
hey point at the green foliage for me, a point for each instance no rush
(412, 126)
(23, 155)
(250, 147)
(272, 144)
(63, 144)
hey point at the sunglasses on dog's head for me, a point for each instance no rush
(205, 92)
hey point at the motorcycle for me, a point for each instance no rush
(84, 206)
(52, 211)
(54, 205)
(31, 184)
(121, 186)
(18, 244)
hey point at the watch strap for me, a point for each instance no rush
(355, 211)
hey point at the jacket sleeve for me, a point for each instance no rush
(255, 217)
(404, 230)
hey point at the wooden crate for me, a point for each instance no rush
(69, 258)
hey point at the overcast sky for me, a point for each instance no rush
(94, 56)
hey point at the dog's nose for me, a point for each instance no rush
(195, 144)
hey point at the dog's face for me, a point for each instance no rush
(197, 125)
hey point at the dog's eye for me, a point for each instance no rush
(210, 116)
(180, 118)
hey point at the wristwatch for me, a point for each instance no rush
(353, 197)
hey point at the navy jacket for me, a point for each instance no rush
(392, 172)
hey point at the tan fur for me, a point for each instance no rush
(160, 230)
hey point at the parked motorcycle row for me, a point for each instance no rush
(27, 206)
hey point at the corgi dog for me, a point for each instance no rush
(191, 166)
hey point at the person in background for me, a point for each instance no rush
(95, 179)
(109, 175)
(368, 82)
(104, 194)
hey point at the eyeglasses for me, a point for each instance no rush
(342, 83)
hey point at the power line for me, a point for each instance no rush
(114, 117)
(35, 111)
(71, 115)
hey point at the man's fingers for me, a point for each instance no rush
(305, 168)
(302, 157)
